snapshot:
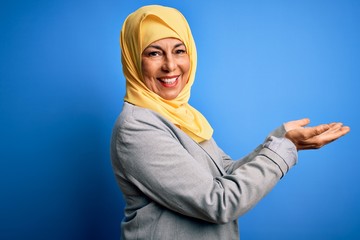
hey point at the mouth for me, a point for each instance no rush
(170, 81)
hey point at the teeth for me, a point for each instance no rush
(169, 80)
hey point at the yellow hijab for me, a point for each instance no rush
(141, 28)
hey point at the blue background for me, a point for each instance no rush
(261, 63)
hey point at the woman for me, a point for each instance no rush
(177, 183)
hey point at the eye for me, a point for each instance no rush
(180, 51)
(154, 53)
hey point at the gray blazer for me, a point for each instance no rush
(175, 188)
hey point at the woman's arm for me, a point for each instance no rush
(230, 164)
(303, 138)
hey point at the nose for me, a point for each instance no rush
(169, 64)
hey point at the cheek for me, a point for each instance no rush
(147, 71)
(144, 68)
(186, 69)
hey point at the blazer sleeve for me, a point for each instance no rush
(288, 154)
(160, 167)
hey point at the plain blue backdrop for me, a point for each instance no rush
(261, 63)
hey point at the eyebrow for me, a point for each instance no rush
(159, 48)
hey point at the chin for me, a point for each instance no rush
(169, 96)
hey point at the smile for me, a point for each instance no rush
(169, 81)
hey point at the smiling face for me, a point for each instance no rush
(165, 67)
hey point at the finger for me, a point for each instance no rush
(296, 124)
(303, 122)
(315, 131)
(333, 135)
(333, 127)
(342, 131)
(345, 129)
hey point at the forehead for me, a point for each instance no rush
(166, 42)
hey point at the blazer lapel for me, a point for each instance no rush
(208, 148)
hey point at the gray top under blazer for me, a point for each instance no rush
(176, 188)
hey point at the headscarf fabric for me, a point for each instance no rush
(141, 28)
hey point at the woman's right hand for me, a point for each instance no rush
(313, 137)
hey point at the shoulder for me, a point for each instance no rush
(137, 121)
(139, 116)
(140, 133)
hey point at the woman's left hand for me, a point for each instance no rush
(313, 137)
